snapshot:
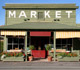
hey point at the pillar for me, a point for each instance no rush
(54, 42)
(5, 44)
(26, 45)
(72, 46)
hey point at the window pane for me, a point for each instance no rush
(58, 47)
(15, 40)
(64, 41)
(9, 40)
(21, 40)
(64, 46)
(9, 47)
(15, 47)
(69, 41)
(58, 41)
(69, 47)
(21, 46)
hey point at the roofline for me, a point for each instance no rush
(41, 3)
(41, 29)
(17, 5)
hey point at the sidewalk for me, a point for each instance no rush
(39, 65)
(34, 63)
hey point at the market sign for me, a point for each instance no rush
(33, 14)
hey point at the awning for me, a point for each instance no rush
(68, 34)
(40, 33)
(13, 33)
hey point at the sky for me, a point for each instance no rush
(3, 2)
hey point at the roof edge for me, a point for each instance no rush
(8, 6)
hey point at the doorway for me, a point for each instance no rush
(39, 42)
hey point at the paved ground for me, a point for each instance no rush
(39, 65)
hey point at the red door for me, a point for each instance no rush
(42, 53)
(39, 53)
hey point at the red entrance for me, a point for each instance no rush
(39, 53)
(39, 40)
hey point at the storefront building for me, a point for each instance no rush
(40, 25)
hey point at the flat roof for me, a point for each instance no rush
(40, 6)
(39, 26)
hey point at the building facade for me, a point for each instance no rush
(40, 25)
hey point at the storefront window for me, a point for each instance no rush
(64, 44)
(9, 47)
(15, 43)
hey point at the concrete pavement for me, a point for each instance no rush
(39, 65)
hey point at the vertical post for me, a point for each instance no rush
(54, 42)
(72, 46)
(5, 44)
(29, 40)
(26, 45)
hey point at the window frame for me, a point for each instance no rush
(66, 44)
(13, 43)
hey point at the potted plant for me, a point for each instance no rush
(48, 48)
(30, 57)
(31, 47)
(49, 58)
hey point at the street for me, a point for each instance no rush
(39, 65)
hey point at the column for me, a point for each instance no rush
(5, 44)
(72, 46)
(26, 45)
(54, 42)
